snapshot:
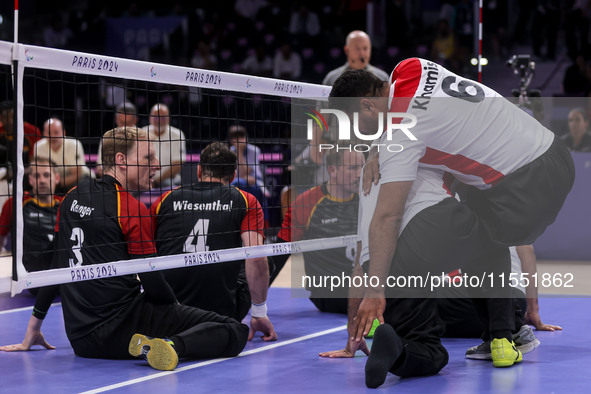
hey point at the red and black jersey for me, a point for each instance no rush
(99, 222)
(316, 214)
(38, 230)
(205, 216)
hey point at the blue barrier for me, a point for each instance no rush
(569, 237)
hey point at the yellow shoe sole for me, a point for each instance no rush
(161, 356)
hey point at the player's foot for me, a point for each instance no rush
(374, 325)
(385, 350)
(159, 352)
(480, 352)
(504, 353)
(525, 341)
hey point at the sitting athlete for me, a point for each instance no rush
(464, 128)
(328, 210)
(39, 216)
(100, 221)
(458, 317)
(211, 215)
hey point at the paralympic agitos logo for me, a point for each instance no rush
(345, 125)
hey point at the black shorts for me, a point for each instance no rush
(517, 210)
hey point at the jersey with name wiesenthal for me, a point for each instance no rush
(99, 222)
(205, 217)
(429, 188)
(38, 230)
(463, 127)
(316, 214)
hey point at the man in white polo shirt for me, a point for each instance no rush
(171, 148)
(66, 153)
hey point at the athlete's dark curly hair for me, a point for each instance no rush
(218, 161)
(351, 84)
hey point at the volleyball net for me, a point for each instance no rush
(62, 103)
(56, 106)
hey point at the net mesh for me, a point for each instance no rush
(70, 99)
(73, 98)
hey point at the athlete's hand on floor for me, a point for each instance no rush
(31, 338)
(348, 351)
(533, 318)
(264, 325)
(371, 171)
(369, 310)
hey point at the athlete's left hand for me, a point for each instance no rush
(264, 325)
(349, 350)
(533, 318)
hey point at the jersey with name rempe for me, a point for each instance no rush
(99, 222)
(463, 127)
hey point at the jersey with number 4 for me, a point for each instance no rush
(99, 222)
(205, 217)
(463, 127)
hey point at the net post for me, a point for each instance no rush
(15, 21)
(480, 43)
(18, 171)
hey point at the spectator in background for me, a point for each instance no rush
(358, 51)
(576, 27)
(203, 58)
(32, 134)
(39, 216)
(258, 63)
(578, 138)
(288, 64)
(170, 145)
(125, 115)
(575, 81)
(444, 47)
(304, 26)
(545, 28)
(249, 173)
(57, 35)
(66, 153)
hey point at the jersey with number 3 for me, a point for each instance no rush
(463, 127)
(202, 217)
(99, 222)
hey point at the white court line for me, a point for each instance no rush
(30, 308)
(209, 362)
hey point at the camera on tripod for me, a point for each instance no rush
(524, 67)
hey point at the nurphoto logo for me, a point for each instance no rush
(344, 130)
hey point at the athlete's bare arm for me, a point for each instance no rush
(383, 236)
(355, 297)
(257, 275)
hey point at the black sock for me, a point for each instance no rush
(179, 345)
(385, 351)
(502, 334)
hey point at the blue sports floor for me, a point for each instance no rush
(292, 365)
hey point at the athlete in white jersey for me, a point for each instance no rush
(463, 127)
(424, 347)
(520, 176)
